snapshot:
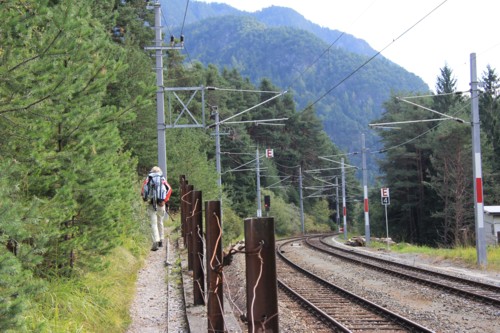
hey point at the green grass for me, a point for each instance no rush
(465, 255)
(97, 302)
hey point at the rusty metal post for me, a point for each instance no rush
(183, 183)
(262, 289)
(215, 305)
(189, 237)
(197, 227)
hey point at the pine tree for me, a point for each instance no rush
(446, 86)
(489, 109)
(75, 174)
(407, 170)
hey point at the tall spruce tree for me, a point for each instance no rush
(446, 87)
(406, 170)
(451, 180)
(74, 174)
(489, 110)
(451, 165)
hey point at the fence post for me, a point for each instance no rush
(197, 228)
(183, 183)
(215, 305)
(262, 289)
(189, 212)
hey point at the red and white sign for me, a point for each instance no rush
(384, 195)
(269, 153)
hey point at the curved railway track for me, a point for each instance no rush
(337, 309)
(482, 292)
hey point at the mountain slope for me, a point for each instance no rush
(174, 12)
(286, 17)
(346, 87)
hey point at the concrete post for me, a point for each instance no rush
(301, 201)
(482, 259)
(160, 108)
(257, 162)
(365, 190)
(344, 208)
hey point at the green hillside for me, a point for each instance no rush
(279, 44)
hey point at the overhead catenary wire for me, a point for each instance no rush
(416, 137)
(327, 49)
(373, 57)
(184, 19)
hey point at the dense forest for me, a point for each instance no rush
(78, 128)
(78, 132)
(428, 165)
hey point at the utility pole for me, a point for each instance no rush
(365, 190)
(337, 200)
(476, 158)
(259, 206)
(160, 107)
(217, 150)
(301, 201)
(218, 122)
(160, 91)
(344, 208)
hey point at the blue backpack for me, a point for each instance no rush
(155, 190)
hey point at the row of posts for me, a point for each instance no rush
(260, 262)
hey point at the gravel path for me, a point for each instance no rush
(158, 305)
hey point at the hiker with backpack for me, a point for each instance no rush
(156, 192)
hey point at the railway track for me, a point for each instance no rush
(337, 309)
(481, 292)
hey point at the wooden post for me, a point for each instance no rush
(262, 289)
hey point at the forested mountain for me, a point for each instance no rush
(336, 75)
(176, 16)
(78, 131)
(341, 81)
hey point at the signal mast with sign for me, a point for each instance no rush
(386, 200)
(384, 195)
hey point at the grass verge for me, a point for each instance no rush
(466, 255)
(97, 302)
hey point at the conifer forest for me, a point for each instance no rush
(78, 132)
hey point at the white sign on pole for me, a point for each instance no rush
(269, 153)
(384, 195)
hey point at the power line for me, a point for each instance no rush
(182, 29)
(418, 136)
(328, 48)
(316, 60)
(185, 14)
(374, 56)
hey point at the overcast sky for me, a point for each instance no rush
(448, 31)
